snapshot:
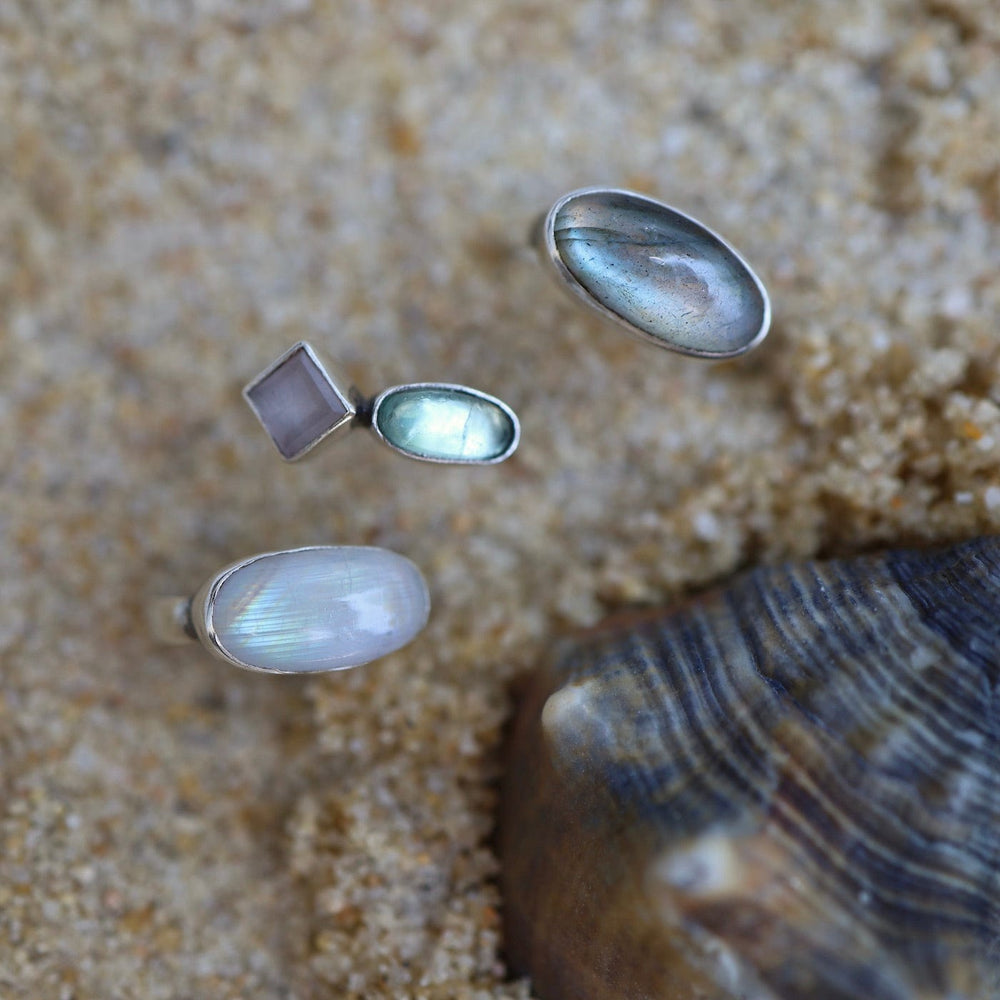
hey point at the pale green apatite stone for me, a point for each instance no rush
(329, 608)
(445, 423)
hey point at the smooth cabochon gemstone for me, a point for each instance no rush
(309, 610)
(446, 423)
(660, 273)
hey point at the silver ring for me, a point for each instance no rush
(305, 610)
(299, 404)
(659, 273)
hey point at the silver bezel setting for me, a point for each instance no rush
(203, 612)
(543, 234)
(336, 430)
(453, 387)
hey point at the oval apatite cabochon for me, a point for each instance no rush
(316, 609)
(659, 272)
(445, 423)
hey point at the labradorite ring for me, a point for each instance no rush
(301, 611)
(300, 404)
(655, 271)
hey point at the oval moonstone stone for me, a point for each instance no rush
(659, 272)
(445, 423)
(315, 609)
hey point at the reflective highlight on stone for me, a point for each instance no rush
(446, 423)
(659, 272)
(316, 609)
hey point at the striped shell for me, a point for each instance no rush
(786, 788)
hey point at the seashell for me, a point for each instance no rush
(656, 271)
(785, 789)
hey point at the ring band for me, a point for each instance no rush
(306, 610)
(299, 404)
(659, 273)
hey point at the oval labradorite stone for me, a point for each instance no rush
(445, 423)
(326, 608)
(660, 272)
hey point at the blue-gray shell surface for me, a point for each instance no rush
(785, 789)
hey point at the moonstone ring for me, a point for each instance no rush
(299, 404)
(657, 272)
(301, 611)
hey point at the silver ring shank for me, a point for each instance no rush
(170, 620)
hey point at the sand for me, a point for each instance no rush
(188, 188)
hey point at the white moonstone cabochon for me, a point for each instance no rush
(316, 609)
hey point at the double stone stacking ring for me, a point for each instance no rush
(299, 404)
(657, 272)
(299, 611)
